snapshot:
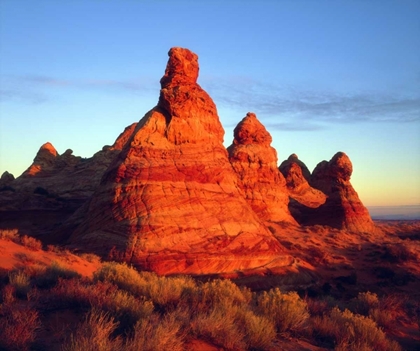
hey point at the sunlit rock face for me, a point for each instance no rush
(170, 202)
(68, 176)
(297, 178)
(343, 208)
(255, 162)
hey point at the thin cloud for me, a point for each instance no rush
(283, 103)
(37, 88)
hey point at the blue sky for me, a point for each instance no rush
(322, 76)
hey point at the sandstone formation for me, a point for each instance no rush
(170, 201)
(6, 179)
(255, 162)
(297, 178)
(343, 208)
(68, 176)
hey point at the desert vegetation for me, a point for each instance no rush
(53, 306)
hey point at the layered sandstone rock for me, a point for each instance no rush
(170, 202)
(343, 208)
(255, 162)
(297, 178)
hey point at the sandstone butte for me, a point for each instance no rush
(65, 176)
(255, 162)
(170, 202)
(302, 195)
(326, 197)
(167, 196)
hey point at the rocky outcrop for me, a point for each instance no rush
(170, 201)
(255, 162)
(343, 208)
(297, 178)
(6, 179)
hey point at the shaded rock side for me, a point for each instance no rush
(170, 202)
(297, 178)
(255, 163)
(343, 208)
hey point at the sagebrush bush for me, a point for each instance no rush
(259, 331)
(94, 334)
(288, 310)
(18, 326)
(51, 275)
(364, 302)
(163, 291)
(218, 324)
(121, 305)
(21, 283)
(10, 234)
(31, 243)
(351, 332)
(156, 333)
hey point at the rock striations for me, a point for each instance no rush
(170, 201)
(167, 196)
(326, 197)
(297, 182)
(343, 208)
(255, 162)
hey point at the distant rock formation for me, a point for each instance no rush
(255, 162)
(297, 178)
(170, 201)
(6, 179)
(342, 208)
(55, 181)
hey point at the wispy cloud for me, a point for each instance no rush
(37, 88)
(280, 107)
(303, 109)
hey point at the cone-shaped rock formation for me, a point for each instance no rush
(297, 178)
(255, 162)
(170, 202)
(343, 208)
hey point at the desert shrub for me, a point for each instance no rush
(52, 274)
(18, 327)
(10, 234)
(90, 257)
(364, 302)
(156, 333)
(8, 294)
(397, 253)
(259, 331)
(204, 296)
(219, 325)
(352, 332)
(21, 283)
(31, 243)
(288, 311)
(94, 334)
(124, 276)
(105, 296)
(163, 291)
